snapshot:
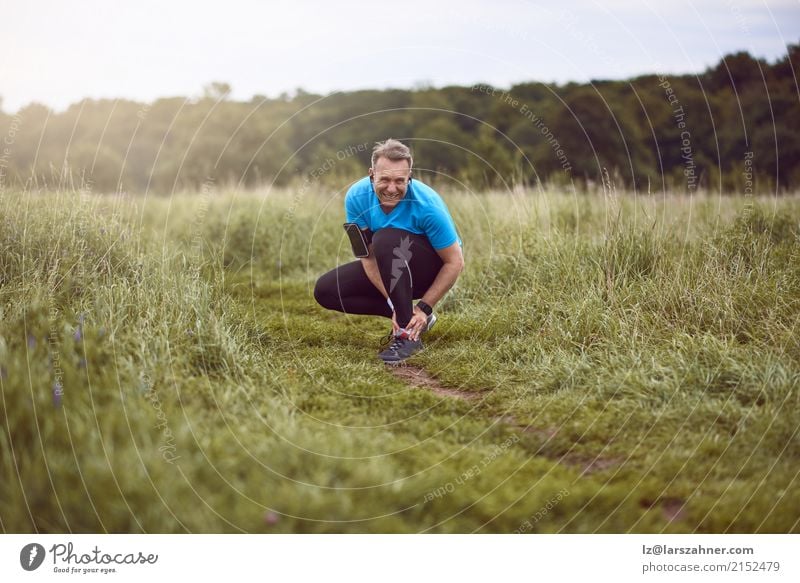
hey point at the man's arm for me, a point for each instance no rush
(453, 259)
(370, 265)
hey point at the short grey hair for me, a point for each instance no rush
(393, 150)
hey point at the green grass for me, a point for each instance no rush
(164, 368)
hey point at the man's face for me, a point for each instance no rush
(390, 180)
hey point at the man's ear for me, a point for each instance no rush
(371, 173)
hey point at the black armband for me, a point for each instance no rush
(424, 307)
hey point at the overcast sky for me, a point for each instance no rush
(57, 52)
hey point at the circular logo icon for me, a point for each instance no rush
(31, 556)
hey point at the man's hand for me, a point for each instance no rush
(417, 324)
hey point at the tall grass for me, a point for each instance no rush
(164, 368)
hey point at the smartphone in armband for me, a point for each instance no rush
(358, 240)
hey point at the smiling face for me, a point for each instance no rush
(390, 180)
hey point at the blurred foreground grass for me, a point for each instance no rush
(164, 368)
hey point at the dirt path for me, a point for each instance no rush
(417, 377)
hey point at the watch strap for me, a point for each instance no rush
(425, 308)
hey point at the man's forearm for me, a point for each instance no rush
(447, 276)
(370, 265)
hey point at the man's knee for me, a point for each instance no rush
(385, 241)
(322, 293)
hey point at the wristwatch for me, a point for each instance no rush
(424, 307)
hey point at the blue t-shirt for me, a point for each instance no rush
(421, 211)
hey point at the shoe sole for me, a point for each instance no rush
(395, 363)
(402, 362)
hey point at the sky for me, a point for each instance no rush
(56, 53)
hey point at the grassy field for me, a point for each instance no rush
(607, 363)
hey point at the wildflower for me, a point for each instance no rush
(271, 517)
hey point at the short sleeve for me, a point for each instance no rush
(439, 228)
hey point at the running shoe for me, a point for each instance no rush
(431, 321)
(401, 348)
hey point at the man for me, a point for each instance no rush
(414, 252)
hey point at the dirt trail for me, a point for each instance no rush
(419, 378)
(586, 464)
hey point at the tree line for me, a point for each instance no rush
(732, 128)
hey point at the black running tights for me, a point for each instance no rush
(408, 264)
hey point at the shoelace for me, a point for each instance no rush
(394, 342)
(390, 337)
(398, 342)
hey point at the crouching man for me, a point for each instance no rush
(412, 251)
